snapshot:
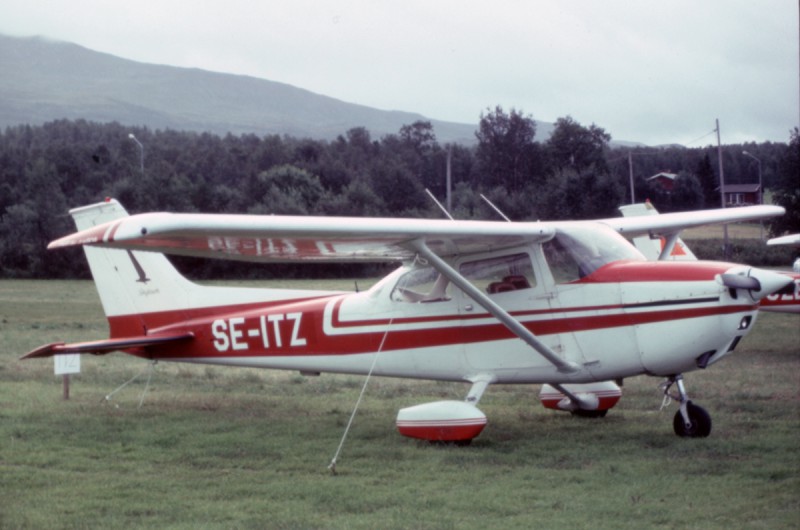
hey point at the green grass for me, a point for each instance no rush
(215, 447)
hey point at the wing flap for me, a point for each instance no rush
(101, 347)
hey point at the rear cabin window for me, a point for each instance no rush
(500, 274)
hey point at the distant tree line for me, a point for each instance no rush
(46, 170)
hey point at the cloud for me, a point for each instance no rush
(652, 72)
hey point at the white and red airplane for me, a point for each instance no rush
(571, 305)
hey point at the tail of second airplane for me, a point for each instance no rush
(653, 249)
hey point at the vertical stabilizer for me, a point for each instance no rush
(653, 249)
(141, 291)
(130, 283)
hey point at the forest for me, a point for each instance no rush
(574, 174)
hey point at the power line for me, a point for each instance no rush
(713, 131)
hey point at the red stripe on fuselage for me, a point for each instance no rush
(132, 325)
(453, 330)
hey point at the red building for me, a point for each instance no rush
(742, 194)
(664, 179)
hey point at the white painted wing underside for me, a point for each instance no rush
(348, 239)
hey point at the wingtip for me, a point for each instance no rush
(89, 236)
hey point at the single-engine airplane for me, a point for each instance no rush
(570, 305)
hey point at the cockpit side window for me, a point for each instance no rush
(563, 266)
(500, 274)
(422, 284)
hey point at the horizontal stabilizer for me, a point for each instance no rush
(100, 347)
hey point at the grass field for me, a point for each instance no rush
(238, 448)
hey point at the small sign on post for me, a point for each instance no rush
(64, 365)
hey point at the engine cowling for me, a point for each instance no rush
(441, 421)
(594, 396)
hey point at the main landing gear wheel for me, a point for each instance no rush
(691, 421)
(698, 426)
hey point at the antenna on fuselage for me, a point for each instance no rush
(495, 208)
(442, 208)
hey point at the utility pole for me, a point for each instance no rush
(449, 183)
(141, 152)
(722, 192)
(630, 174)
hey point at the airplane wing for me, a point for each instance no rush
(348, 239)
(667, 224)
(105, 346)
(290, 238)
(793, 240)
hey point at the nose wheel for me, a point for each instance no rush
(691, 421)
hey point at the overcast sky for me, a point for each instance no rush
(650, 71)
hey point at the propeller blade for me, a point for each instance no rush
(737, 281)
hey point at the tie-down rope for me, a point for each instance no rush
(332, 465)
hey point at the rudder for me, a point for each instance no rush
(142, 291)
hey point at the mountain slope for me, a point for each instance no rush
(45, 80)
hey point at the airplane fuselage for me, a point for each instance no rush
(625, 319)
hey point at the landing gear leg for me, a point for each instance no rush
(691, 421)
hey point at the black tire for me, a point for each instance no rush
(700, 422)
(449, 443)
(590, 413)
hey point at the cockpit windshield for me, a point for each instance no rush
(577, 251)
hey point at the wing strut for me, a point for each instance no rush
(495, 310)
(669, 244)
